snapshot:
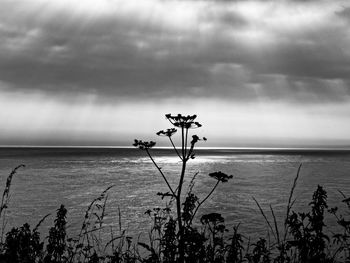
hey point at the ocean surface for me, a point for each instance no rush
(75, 176)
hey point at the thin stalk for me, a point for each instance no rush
(346, 199)
(161, 172)
(179, 219)
(40, 222)
(191, 184)
(276, 226)
(183, 143)
(190, 151)
(177, 152)
(186, 142)
(263, 214)
(290, 203)
(119, 220)
(200, 203)
(184, 161)
(178, 200)
(5, 199)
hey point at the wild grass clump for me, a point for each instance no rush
(5, 199)
(173, 237)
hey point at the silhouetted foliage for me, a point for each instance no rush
(306, 229)
(23, 245)
(5, 199)
(56, 246)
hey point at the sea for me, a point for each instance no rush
(75, 176)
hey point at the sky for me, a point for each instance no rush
(265, 73)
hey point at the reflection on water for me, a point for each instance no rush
(75, 176)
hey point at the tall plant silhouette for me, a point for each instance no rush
(185, 153)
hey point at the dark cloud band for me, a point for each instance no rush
(213, 52)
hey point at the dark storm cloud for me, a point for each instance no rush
(212, 48)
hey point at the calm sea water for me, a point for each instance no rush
(75, 176)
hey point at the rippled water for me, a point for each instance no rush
(75, 176)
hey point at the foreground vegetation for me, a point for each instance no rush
(304, 237)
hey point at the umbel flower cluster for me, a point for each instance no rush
(220, 176)
(167, 132)
(144, 145)
(183, 121)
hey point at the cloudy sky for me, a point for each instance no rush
(257, 73)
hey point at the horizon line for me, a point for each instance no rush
(320, 148)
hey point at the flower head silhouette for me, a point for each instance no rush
(167, 132)
(143, 145)
(220, 176)
(183, 121)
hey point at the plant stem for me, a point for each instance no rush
(186, 143)
(266, 220)
(178, 198)
(200, 203)
(161, 172)
(177, 152)
(290, 203)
